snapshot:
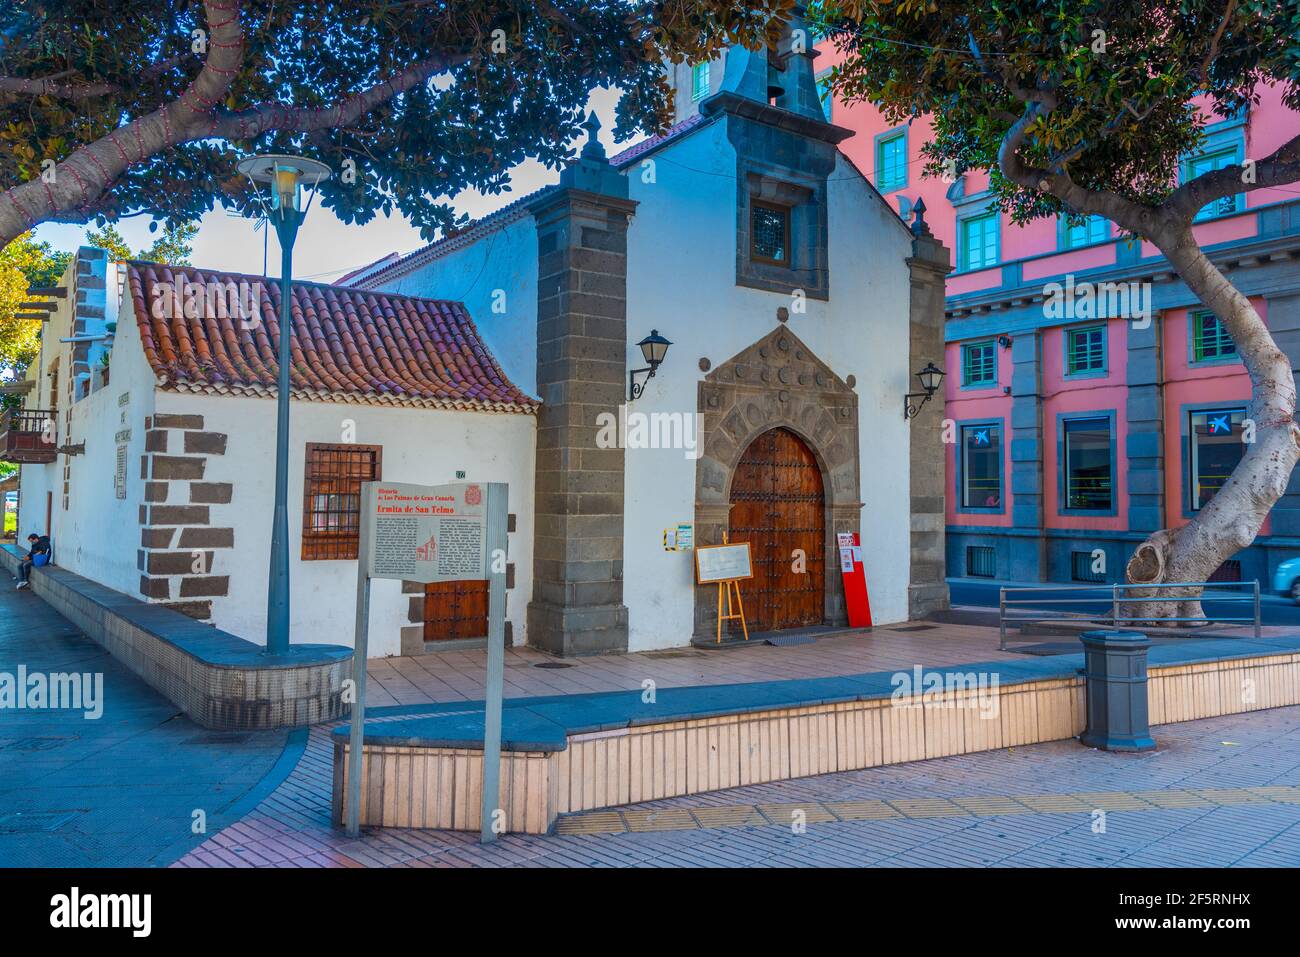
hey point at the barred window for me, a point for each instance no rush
(770, 234)
(700, 81)
(332, 498)
(978, 364)
(1085, 350)
(1210, 338)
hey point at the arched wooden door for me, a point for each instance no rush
(778, 506)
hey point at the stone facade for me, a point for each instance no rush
(927, 590)
(178, 543)
(784, 155)
(577, 605)
(776, 383)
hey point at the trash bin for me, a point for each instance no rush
(1115, 669)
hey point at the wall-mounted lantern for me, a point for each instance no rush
(654, 347)
(931, 377)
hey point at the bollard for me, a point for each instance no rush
(1115, 669)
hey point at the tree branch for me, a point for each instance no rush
(1213, 51)
(1280, 167)
(53, 86)
(252, 122)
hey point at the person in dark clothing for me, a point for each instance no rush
(40, 546)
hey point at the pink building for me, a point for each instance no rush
(1092, 399)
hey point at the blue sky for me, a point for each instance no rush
(327, 248)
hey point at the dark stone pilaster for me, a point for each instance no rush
(1284, 323)
(1027, 552)
(927, 589)
(577, 605)
(1144, 446)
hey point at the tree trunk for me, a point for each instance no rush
(1234, 516)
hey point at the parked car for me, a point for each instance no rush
(1286, 580)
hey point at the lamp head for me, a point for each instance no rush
(654, 347)
(284, 177)
(931, 376)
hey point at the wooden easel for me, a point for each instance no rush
(727, 587)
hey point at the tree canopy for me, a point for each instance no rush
(1089, 107)
(116, 107)
(172, 247)
(1096, 90)
(23, 263)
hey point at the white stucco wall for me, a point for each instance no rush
(426, 446)
(505, 261)
(681, 281)
(98, 535)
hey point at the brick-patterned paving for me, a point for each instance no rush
(458, 675)
(1260, 750)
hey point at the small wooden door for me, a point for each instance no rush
(455, 610)
(778, 506)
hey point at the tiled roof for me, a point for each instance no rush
(348, 345)
(654, 142)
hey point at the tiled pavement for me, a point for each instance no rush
(1056, 787)
(458, 675)
(120, 790)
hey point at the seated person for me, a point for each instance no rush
(39, 554)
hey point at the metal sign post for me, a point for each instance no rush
(433, 534)
(497, 517)
(361, 645)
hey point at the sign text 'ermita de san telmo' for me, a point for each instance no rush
(427, 534)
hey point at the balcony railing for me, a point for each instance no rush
(27, 436)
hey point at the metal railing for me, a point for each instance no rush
(25, 420)
(1113, 598)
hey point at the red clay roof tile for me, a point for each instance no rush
(347, 345)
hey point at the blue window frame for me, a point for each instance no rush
(700, 81)
(1087, 464)
(1214, 449)
(1075, 233)
(979, 468)
(978, 241)
(979, 364)
(891, 161)
(1207, 162)
(1085, 350)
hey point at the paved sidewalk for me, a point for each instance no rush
(1219, 792)
(458, 675)
(120, 790)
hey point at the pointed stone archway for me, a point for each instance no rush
(777, 383)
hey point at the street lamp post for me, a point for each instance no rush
(283, 177)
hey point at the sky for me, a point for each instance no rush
(326, 248)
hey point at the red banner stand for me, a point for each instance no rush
(855, 580)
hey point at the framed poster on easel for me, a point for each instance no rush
(726, 566)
